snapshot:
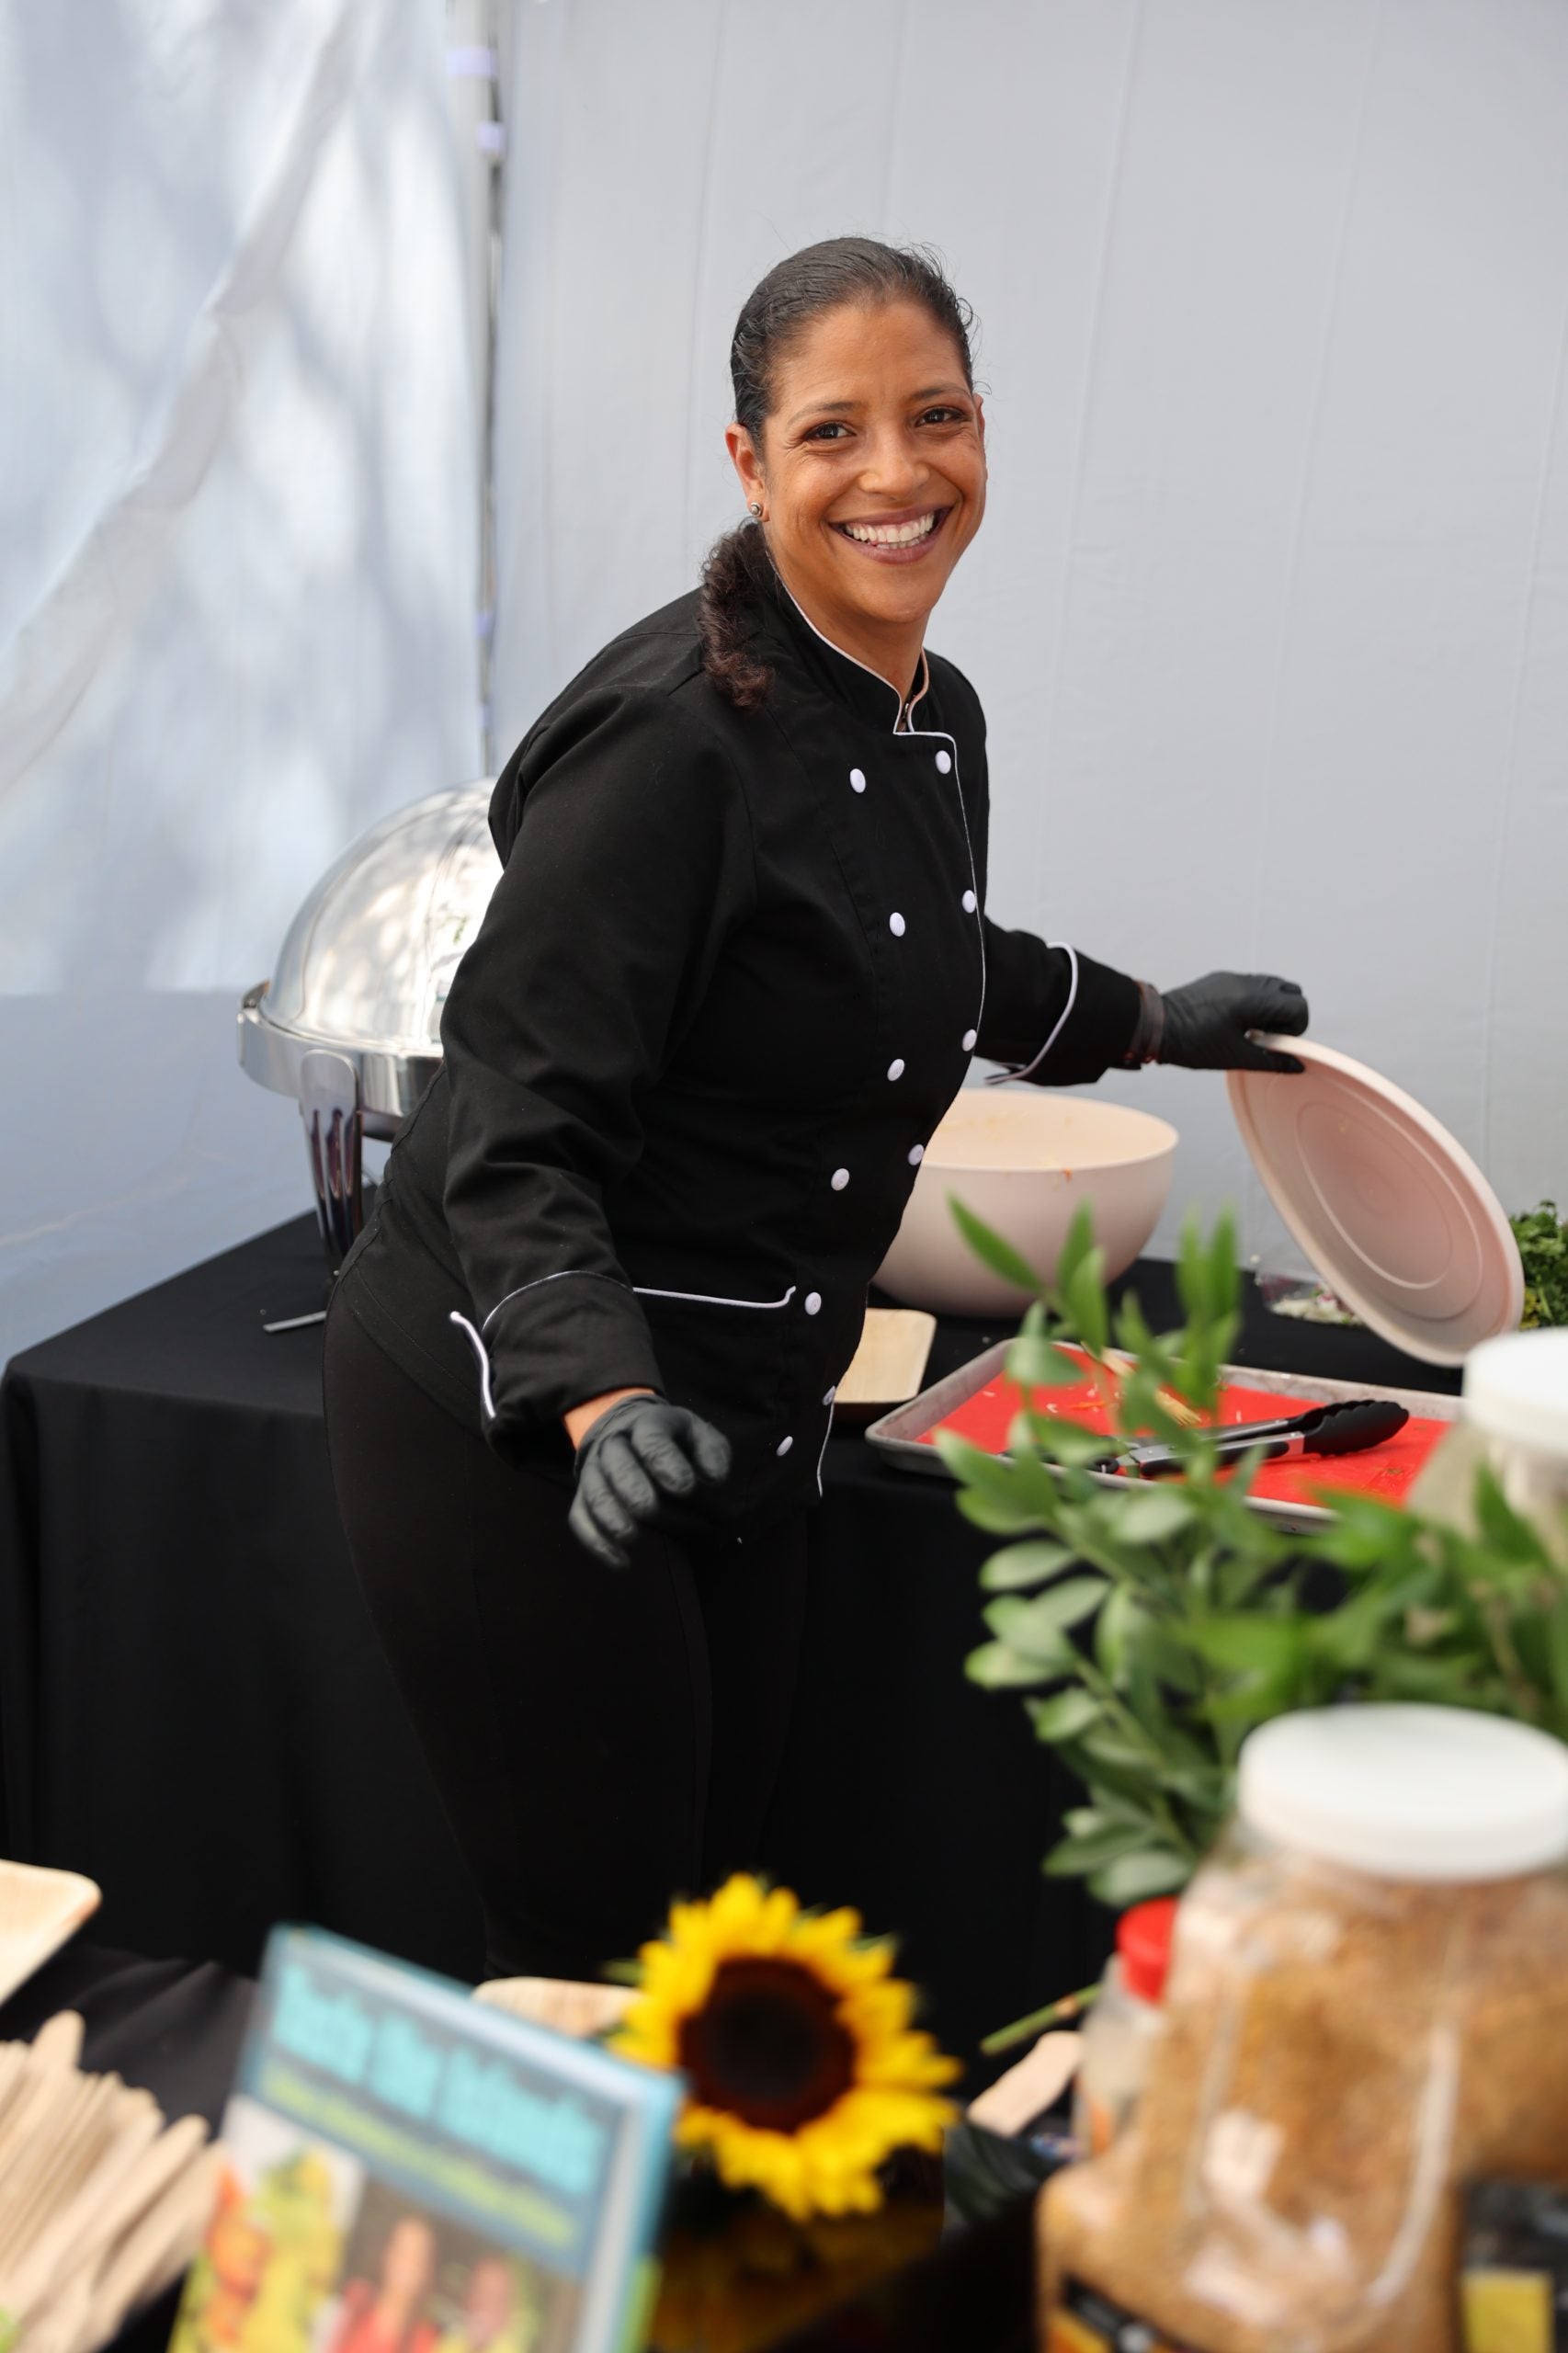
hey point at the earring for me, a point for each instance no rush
(754, 510)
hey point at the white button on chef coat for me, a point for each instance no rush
(858, 779)
(944, 762)
(916, 1155)
(895, 1068)
(839, 1178)
(813, 1302)
(895, 924)
(968, 903)
(969, 1038)
(783, 1446)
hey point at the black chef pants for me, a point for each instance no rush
(602, 1740)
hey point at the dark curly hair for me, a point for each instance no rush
(776, 313)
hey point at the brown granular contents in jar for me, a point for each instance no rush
(1340, 2055)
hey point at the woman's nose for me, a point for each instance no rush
(890, 466)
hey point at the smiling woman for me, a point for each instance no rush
(731, 977)
(859, 441)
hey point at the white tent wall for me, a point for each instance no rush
(1270, 609)
(238, 502)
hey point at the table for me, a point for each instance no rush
(177, 2030)
(194, 1710)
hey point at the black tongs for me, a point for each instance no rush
(1325, 1429)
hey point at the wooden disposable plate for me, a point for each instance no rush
(580, 2010)
(39, 1910)
(889, 1365)
(898, 1435)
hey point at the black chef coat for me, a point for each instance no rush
(732, 976)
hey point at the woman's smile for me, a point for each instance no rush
(904, 537)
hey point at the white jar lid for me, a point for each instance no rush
(1516, 1387)
(1408, 1792)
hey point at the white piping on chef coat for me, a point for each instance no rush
(644, 1290)
(707, 1299)
(824, 640)
(590, 1274)
(997, 1077)
(935, 734)
(483, 1353)
(821, 1450)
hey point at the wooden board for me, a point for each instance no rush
(889, 1365)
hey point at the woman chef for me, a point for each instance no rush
(730, 979)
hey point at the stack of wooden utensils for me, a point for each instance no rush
(102, 2203)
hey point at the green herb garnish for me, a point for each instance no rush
(1543, 1246)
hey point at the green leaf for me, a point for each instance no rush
(992, 1250)
(1249, 1646)
(995, 1518)
(1063, 1715)
(1075, 1858)
(1135, 1877)
(1085, 1299)
(1153, 1514)
(1026, 1564)
(1224, 1280)
(1118, 1626)
(1010, 1492)
(1192, 1270)
(1076, 1247)
(997, 1668)
(1037, 1364)
(1071, 1442)
(1499, 1523)
(1038, 1627)
(1557, 1648)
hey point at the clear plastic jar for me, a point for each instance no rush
(1119, 2038)
(1368, 2007)
(1515, 1420)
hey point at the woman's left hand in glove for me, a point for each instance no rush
(1207, 1022)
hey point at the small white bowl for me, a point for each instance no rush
(1023, 1160)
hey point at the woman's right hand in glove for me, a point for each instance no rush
(638, 1451)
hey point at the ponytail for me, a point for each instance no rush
(738, 565)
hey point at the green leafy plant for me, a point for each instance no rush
(1543, 1247)
(1152, 1625)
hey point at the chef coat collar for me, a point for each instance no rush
(870, 696)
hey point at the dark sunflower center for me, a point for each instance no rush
(768, 2045)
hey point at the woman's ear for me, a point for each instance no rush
(747, 464)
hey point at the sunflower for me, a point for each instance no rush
(795, 2037)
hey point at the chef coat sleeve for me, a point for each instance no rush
(632, 858)
(1052, 1014)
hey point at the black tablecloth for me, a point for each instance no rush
(193, 1709)
(175, 2030)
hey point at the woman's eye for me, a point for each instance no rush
(942, 416)
(820, 432)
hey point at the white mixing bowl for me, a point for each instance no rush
(1023, 1161)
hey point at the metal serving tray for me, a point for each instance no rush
(896, 1436)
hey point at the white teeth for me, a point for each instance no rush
(892, 535)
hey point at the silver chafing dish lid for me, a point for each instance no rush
(367, 962)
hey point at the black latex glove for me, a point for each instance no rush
(1207, 1021)
(642, 1450)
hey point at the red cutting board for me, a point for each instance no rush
(1387, 1471)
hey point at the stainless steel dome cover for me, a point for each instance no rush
(367, 963)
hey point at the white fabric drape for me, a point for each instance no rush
(1270, 609)
(237, 557)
